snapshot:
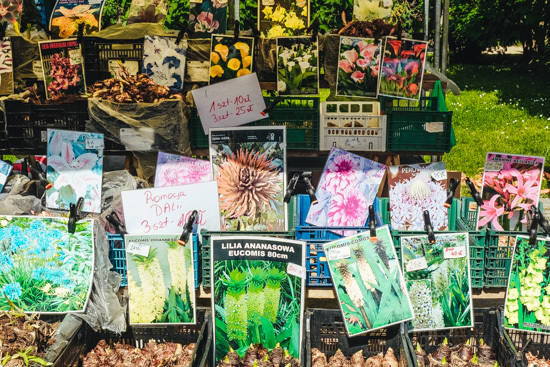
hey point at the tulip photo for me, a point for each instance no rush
(358, 65)
(402, 68)
(297, 66)
(230, 58)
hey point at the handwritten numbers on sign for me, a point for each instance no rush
(416, 264)
(339, 253)
(135, 248)
(454, 252)
(297, 270)
(230, 103)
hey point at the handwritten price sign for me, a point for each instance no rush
(454, 252)
(416, 264)
(339, 253)
(231, 103)
(165, 210)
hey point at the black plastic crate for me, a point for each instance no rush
(98, 51)
(325, 331)
(28, 123)
(4, 146)
(70, 353)
(486, 327)
(300, 115)
(521, 342)
(201, 334)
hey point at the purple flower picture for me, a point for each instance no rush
(511, 185)
(175, 170)
(348, 186)
(413, 190)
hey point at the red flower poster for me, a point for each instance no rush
(402, 68)
(511, 185)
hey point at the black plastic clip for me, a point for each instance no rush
(399, 30)
(80, 33)
(75, 211)
(543, 222)
(306, 176)
(188, 228)
(271, 105)
(473, 191)
(25, 167)
(291, 187)
(116, 222)
(3, 27)
(428, 227)
(372, 224)
(533, 229)
(181, 33)
(37, 171)
(453, 184)
(237, 31)
(314, 29)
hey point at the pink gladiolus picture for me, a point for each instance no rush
(358, 65)
(347, 187)
(511, 185)
(412, 190)
(402, 68)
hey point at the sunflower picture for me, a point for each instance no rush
(249, 165)
(230, 58)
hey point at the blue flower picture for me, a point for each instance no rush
(164, 61)
(43, 267)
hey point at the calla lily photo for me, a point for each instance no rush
(402, 68)
(358, 67)
(230, 58)
(511, 184)
(297, 66)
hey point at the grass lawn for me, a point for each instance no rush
(504, 107)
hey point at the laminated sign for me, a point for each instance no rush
(257, 295)
(67, 15)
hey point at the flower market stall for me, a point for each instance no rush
(235, 184)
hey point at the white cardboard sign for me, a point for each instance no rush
(165, 210)
(230, 103)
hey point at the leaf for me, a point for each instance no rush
(294, 347)
(268, 333)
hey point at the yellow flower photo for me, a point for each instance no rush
(285, 18)
(230, 58)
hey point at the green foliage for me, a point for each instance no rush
(328, 12)
(110, 11)
(502, 108)
(178, 14)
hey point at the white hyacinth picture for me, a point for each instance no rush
(161, 280)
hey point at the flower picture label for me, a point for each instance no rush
(175, 170)
(95, 144)
(297, 270)
(230, 103)
(511, 184)
(297, 66)
(137, 249)
(416, 264)
(367, 281)
(338, 253)
(164, 61)
(68, 15)
(438, 280)
(454, 252)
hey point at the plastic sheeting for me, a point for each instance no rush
(142, 126)
(131, 31)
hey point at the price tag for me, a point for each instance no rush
(339, 253)
(454, 252)
(416, 264)
(138, 139)
(75, 56)
(95, 144)
(493, 166)
(434, 127)
(297, 270)
(137, 249)
(44, 136)
(439, 175)
(37, 69)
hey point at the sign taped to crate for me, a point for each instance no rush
(231, 103)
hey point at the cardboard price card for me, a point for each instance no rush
(257, 295)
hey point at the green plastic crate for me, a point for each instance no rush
(453, 212)
(468, 211)
(300, 115)
(206, 246)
